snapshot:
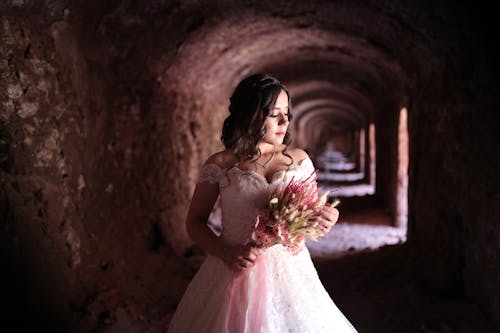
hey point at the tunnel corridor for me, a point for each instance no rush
(109, 108)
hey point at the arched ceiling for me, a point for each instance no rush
(338, 70)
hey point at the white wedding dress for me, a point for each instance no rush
(281, 293)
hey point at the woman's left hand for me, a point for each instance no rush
(328, 217)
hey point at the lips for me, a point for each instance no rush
(280, 133)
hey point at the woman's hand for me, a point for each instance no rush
(241, 257)
(328, 217)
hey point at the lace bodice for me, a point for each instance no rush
(243, 191)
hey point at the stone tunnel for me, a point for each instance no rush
(109, 108)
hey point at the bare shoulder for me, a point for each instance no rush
(224, 159)
(297, 154)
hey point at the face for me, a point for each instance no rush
(276, 122)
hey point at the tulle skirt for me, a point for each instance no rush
(281, 293)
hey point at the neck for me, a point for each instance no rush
(266, 163)
(266, 148)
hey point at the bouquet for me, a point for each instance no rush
(291, 215)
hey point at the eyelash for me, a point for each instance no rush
(276, 116)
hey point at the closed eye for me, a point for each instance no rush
(276, 116)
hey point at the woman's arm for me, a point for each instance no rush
(202, 203)
(238, 257)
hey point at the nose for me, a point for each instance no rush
(283, 120)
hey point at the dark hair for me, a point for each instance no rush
(250, 104)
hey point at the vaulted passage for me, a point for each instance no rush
(108, 109)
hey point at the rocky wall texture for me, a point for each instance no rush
(43, 181)
(454, 195)
(455, 191)
(108, 110)
(81, 160)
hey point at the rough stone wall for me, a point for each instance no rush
(386, 137)
(455, 191)
(43, 180)
(81, 159)
(108, 109)
(100, 148)
(454, 196)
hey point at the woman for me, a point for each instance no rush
(241, 288)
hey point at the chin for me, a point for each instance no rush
(276, 141)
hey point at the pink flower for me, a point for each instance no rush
(291, 215)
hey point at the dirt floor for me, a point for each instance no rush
(378, 293)
(366, 266)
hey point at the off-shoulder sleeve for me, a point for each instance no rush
(307, 165)
(213, 174)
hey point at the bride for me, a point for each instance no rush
(241, 288)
